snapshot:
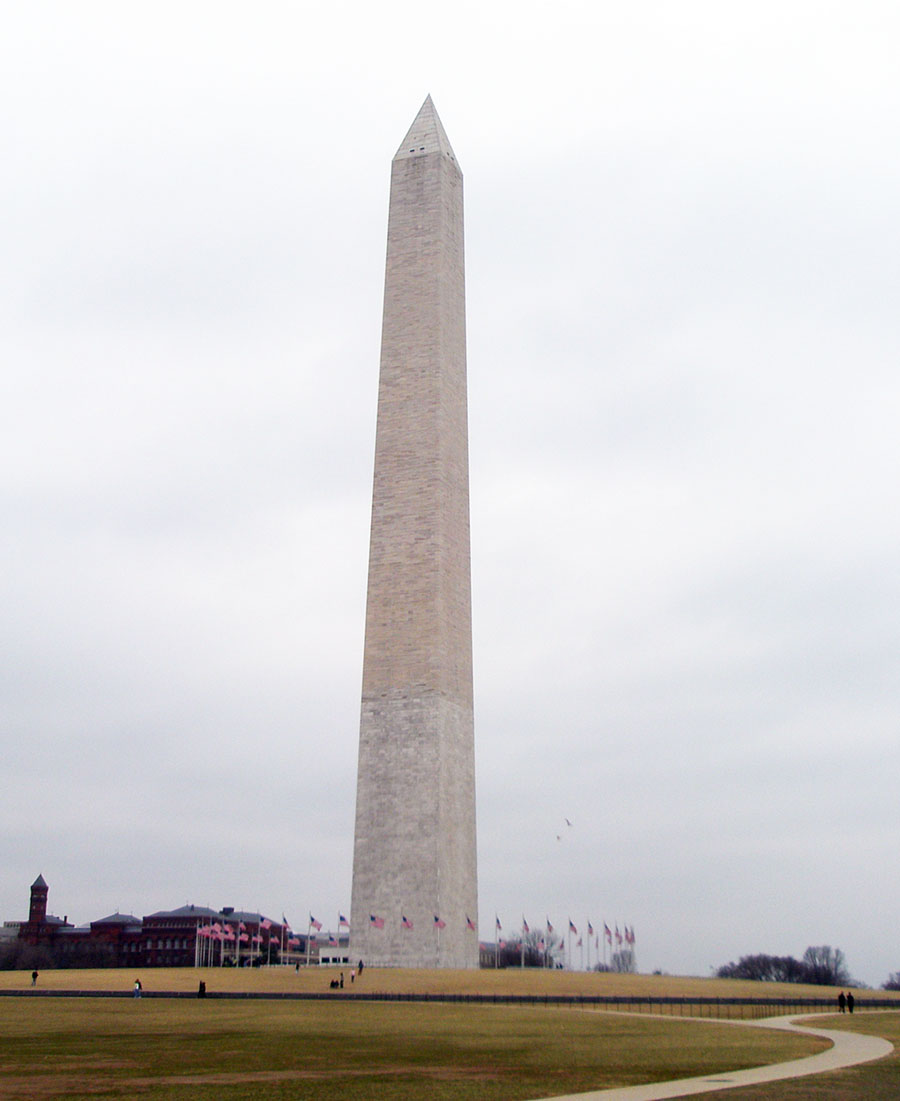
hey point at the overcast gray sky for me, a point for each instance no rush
(682, 266)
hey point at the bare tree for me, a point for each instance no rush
(623, 961)
(822, 966)
(826, 966)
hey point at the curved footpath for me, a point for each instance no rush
(847, 1050)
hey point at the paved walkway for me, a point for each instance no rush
(848, 1049)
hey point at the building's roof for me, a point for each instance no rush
(185, 912)
(118, 919)
(39, 882)
(73, 931)
(251, 916)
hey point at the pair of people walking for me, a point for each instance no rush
(845, 1002)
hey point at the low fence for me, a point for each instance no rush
(723, 1008)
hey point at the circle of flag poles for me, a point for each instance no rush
(219, 941)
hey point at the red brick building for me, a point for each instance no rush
(185, 937)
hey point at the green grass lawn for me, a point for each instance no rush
(117, 1048)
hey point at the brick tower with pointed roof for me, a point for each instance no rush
(414, 900)
(37, 907)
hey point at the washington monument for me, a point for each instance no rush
(414, 901)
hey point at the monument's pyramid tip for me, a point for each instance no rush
(426, 135)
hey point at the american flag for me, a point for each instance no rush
(499, 926)
(438, 924)
(342, 921)
(469, 923)
(607, 932)
(572, 928)
(525, 928)
(590, 930)
(406, 923)
(376, 922)
(317, 925)
(549, 926)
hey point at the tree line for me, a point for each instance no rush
(821, 965)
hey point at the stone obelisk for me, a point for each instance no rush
(414, 901)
